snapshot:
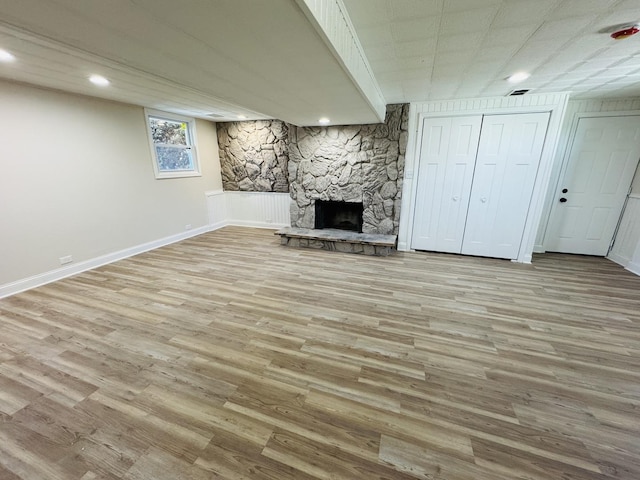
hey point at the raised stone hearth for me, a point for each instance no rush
(339, 240)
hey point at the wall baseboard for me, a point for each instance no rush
(244, 223)
(619, 259)
(634, 267)
(64, 272)
(244, 209)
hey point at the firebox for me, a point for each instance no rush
(341, 215)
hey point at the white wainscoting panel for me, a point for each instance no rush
(216, 208)
(628, 236)
(250, 209)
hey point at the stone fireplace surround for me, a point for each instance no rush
(353, 163)
(362, 163)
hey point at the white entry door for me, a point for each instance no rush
(445, 173)
(505, 174)
(594, 185)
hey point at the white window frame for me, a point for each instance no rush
(191, 144)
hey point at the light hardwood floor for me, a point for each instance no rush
(228, 356)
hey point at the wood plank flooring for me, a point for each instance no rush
(229, 356)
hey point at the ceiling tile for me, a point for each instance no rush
(523, 12)
(468, 21)
(410, 9)
(422, 28)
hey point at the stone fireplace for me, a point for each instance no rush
(339, 215)
(360, 164)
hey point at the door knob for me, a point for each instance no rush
(562, 200)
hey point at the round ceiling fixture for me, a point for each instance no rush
(99, 80)
(626, 32)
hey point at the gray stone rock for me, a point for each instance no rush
(385, 227)
(245, 185)
(251, 155)
(388, 208)
(292, 168)
(322, 183)
(319, 168)
(308, 218)
(352, 193)
(303, 200)
(400, 165)
(252, 170)
(334, 193)
(396, 216)
(378, 211)
(280, 148)
(389, 190)
(369, 217)
(353, 145)
(309, 182)
(263, 185)
(402, 143)
(308, 146)
(333, 133)
(369, 228)
(392, 172)
(345, 175)
(269, 156)
(239, 171)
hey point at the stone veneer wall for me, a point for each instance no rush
(254, 155)
(361, 163)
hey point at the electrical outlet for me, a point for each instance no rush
(66, 259)
(187, 226)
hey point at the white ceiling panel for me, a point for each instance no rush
(561, 43)
(249, 57)
(265, 59)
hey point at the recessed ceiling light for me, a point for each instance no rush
(518, 77)
(99, 80)
(242, 117)
(324, 121)
(6, 56)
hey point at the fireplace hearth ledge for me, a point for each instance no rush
(339, 240)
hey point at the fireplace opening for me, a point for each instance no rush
(340, 215)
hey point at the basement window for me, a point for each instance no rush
(172, 140)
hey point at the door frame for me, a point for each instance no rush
(562, 168)
(556, 104)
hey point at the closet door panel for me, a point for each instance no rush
(445, 172)
(505, 173)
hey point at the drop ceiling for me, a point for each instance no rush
(267, 59)
(451, 49)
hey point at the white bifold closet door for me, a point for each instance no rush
(475, 180)
(505, 174)
(447, 156)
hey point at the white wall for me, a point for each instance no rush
(77, 179)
